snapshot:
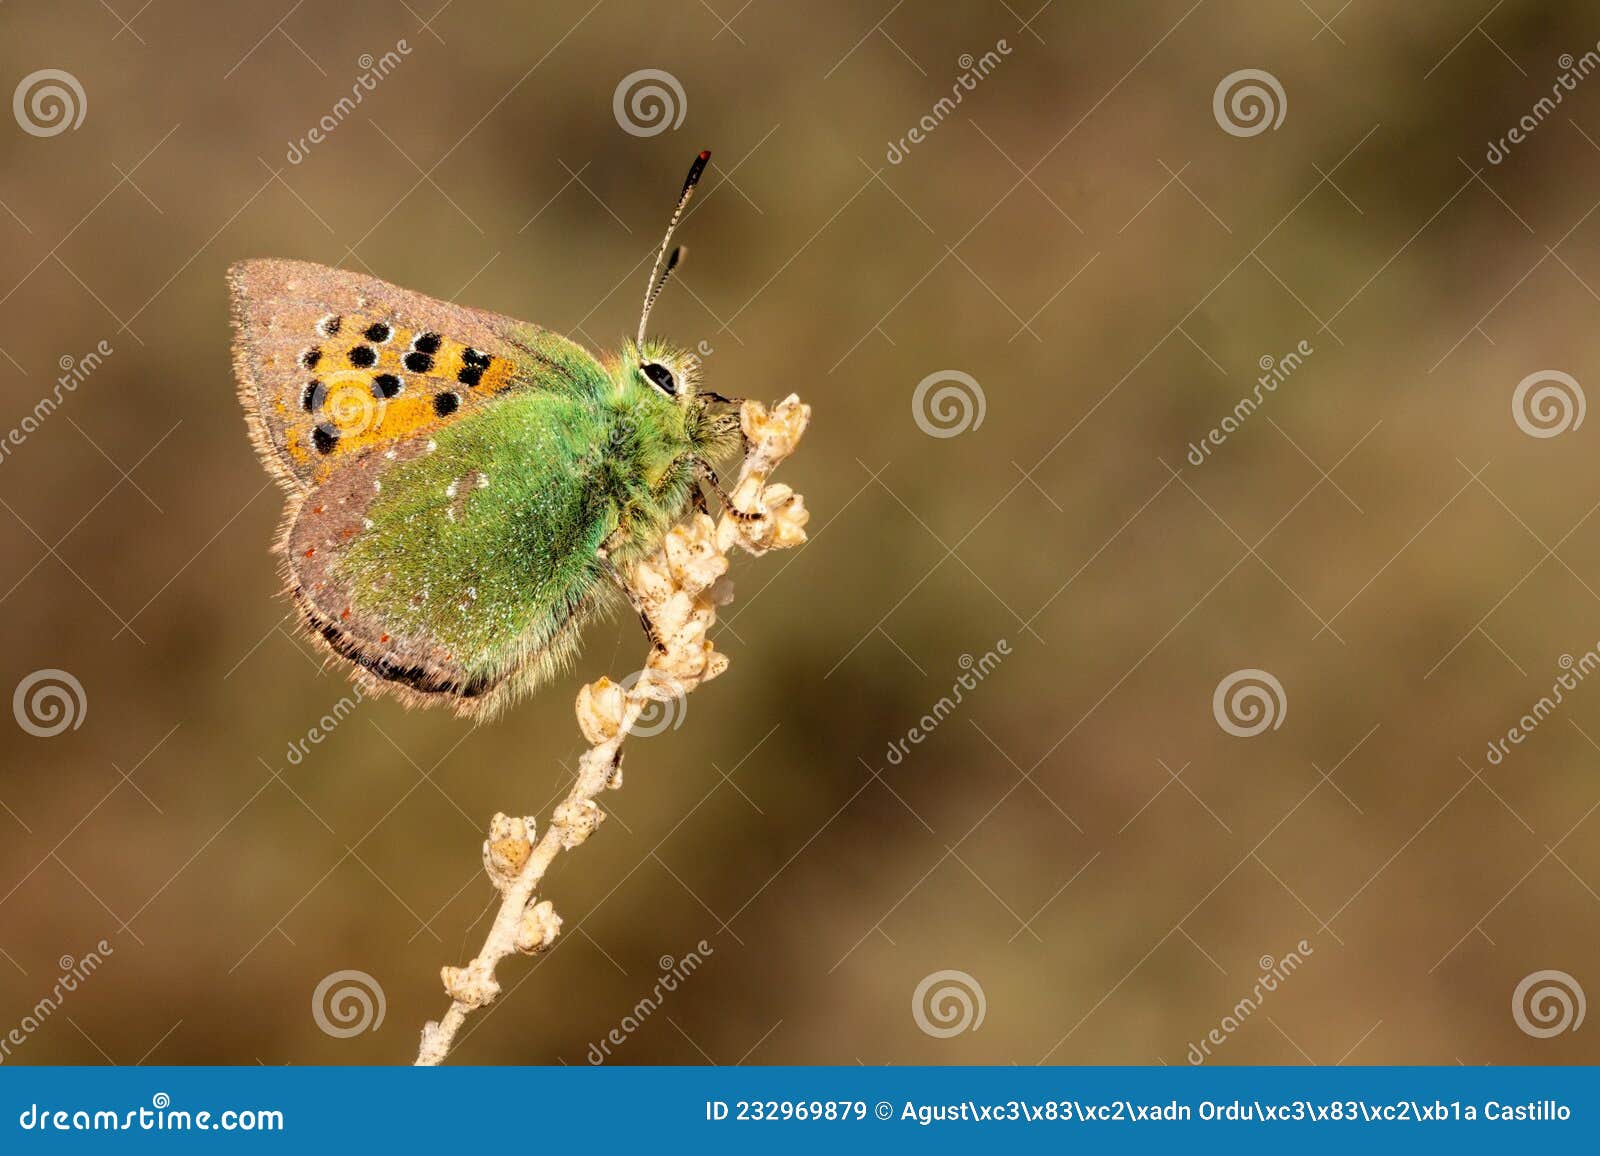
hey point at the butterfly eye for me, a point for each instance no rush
(661, 377)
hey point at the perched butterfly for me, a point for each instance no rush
(465, 489)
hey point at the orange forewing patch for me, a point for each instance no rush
(354, 411)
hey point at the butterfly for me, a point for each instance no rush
(465, 490)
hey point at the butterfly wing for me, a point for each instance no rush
(458, 565)
(440, 532)
(332, 363)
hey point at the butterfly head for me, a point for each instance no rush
(663, 380)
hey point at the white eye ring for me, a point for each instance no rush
(661, 378)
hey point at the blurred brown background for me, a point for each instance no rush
(1083, 237)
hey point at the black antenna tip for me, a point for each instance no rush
(696, 169)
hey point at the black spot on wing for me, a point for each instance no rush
(473, 364)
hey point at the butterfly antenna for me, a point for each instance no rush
(678, 254)
(665, 265)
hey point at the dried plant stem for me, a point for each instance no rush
(679, 589)
(475, 985)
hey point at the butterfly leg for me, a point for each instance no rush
(611, 571)
(710, 476)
